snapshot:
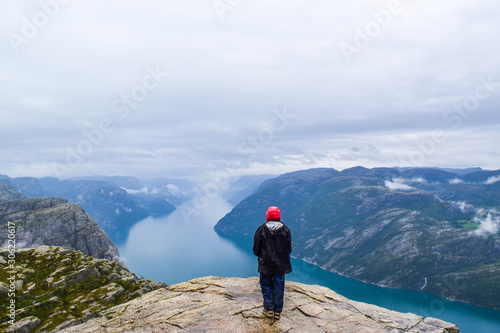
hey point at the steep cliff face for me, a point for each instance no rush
(380, 226)
(28, 186)
(112, 207)
(214, 304)
(106, 199)
(54, 221)
(8, 193)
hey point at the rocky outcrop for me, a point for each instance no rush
(29, 187)
(8, 193)
(112, 207)
(214, 304)
(61, 290)
(115, 203)
(56, 288)
(54, 221)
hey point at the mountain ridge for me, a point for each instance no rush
(387, 227)
(189, 306)
(55, 221)
(114, 208)
(112, 294)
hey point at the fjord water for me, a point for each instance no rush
(175, 249)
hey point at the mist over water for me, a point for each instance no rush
(174, 250)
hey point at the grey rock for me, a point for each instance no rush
(214, 304)
(114, 276)
(8, 193)
(4, 289)
(19, 284)
(54, 221)
(83, 274)
(113, 291)
(130, 279)
(67, 324)
(25, 325)
(63, 282)
(104, 269)
(156, 285)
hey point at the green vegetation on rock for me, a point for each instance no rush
(62, 287)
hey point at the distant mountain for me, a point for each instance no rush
(408, 228)
(122, 181)
(115, 210)
(243, 187)
(114, 206)
(59, 288)
(174, 191)
(54, 221)
(9, 193)
(462, 172)
(457, 171)
(28, 186)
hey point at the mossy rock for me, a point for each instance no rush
(61, 287)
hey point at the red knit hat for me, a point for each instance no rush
(273, 214)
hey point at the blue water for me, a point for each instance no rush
(173, 250)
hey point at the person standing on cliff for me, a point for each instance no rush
(272, 243)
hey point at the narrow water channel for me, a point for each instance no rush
(174, 250)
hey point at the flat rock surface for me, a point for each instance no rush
(213, 304)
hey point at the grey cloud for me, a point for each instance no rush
(226, 77)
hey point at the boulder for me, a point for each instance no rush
(25, 325)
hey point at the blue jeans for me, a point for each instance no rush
(273, 289)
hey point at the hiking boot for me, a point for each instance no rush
(277, 315)
(268, 313)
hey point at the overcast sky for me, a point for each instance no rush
(181, 88)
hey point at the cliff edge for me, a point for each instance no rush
(56, 222)
(216, 304)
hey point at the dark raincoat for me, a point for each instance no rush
(272, 243)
